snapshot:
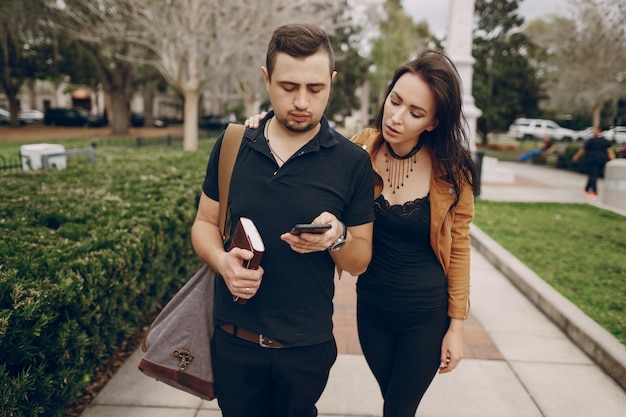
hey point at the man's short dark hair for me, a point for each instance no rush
(298, 40)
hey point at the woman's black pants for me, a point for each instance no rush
(403, 350)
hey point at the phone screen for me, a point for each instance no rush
(309, 228)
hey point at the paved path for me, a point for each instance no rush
(518, 362)
(535, 183)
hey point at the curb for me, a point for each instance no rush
(601, 346)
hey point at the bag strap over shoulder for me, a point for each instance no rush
(228, 154)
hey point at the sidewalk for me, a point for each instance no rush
(518, 362)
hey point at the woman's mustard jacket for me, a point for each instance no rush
(449, 226)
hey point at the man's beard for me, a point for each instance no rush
(297, 127)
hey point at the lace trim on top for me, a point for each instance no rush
(418, 209)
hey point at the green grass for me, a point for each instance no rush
(578, 249)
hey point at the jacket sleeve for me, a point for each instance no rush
(459, 267)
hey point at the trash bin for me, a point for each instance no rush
(614, 193)
(33, 156)
(478, 156)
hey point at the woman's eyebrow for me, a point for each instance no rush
(399, 97)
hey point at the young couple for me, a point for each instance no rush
(410, 249)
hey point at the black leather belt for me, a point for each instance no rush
(263, 341)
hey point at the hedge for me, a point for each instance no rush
(565, 160)
(86, 255)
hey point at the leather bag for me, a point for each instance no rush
(177, 349)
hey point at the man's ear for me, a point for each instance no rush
(332, 76)
(266, 78)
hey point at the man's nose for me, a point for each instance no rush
(301, 100)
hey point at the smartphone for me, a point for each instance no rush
(309, 228)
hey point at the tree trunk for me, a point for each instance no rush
(14, 109)
(251, 104)
(190, 127)
(117, 83)
(118, 114)
(107, 107)
(149, 92)
(596, 114)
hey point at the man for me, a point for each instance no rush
(597, 151)
(272, 355)
(546, 144)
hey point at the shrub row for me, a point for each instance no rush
(86, 255)
(564, 160)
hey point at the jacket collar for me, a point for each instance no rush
(371, 139)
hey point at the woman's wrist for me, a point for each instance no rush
(456, 325)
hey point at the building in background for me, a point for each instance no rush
(165, 104)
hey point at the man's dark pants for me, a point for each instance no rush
(254, 381)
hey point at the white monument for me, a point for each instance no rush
(459, 49)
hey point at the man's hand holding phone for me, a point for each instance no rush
(316, 236)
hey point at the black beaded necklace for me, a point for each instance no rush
(398, 167)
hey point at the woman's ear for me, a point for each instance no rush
(433, 125)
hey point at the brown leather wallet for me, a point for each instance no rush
(263, 341)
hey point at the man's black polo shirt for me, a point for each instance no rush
(329, 173)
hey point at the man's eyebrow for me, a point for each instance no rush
(320, 84)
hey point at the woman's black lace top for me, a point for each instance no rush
(404, 273)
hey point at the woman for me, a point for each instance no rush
(413, 299)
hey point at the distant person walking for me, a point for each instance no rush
(597, 152)
(546, 144)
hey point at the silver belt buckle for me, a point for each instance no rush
(262, 342)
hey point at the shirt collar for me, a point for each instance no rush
(324, 138)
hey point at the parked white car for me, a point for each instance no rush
(616, 134)
(5, 117)
(522, 129)
(31, 116)
(582, 135)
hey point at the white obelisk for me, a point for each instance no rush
(459, 49)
